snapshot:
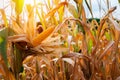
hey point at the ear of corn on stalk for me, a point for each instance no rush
(42, 36)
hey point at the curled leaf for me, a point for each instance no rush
(4, 17)
(52, 12)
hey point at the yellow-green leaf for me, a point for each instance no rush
(3, 43)
(119, 1)
(4, 17)
(61, 13)
(78, 1)
(19, 6)
(73, 10)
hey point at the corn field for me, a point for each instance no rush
(55, 40)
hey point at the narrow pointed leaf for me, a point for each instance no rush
(3, 43)
(19, 6)
(73, 10)
(4, 17)
(52, 12)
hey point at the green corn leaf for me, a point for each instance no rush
(61, 13)
(119, 1)
(107, 35)
(76, 48)
(90, 44)
(3, 43)
(19, 6)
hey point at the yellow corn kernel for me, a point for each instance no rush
(42, 36)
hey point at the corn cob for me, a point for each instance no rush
(42, 36)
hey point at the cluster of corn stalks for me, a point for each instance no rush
(55, 41)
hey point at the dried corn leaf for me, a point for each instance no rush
(68, 60)
(4, 17)
(52, 12)
(18, 38)
(17, 28)
(42, 18)
(78, 1)
(116, 25)
(106, 49)
(83, 15)
(77, 55)
(72, 10)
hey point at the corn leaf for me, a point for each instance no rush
(3, 43)
(78, 1)
(52, 12)
(108, 36)
(107, 47)
(116, 25)
(4, 17)
(56, 1)
(90, 45)
(41, 18)
(119, 1)
(61, 13)
(73, 10)
(19, 6)
(69, 60)
(83, 15)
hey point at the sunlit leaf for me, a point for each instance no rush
(107, 47)
(41, 18)
(67, 48)
(4, 17)
(76, 48)
(61, 13)
(17, 28)
(56, 1)
(19, 6)
(107, 35)
(52, 12)
(116, 25)
(73, 10)
(83, 15)
(49, 3)
(46, 60)
(70, 61)
(29, 7)
(78, 1)
(90, 45)
(102, 22)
